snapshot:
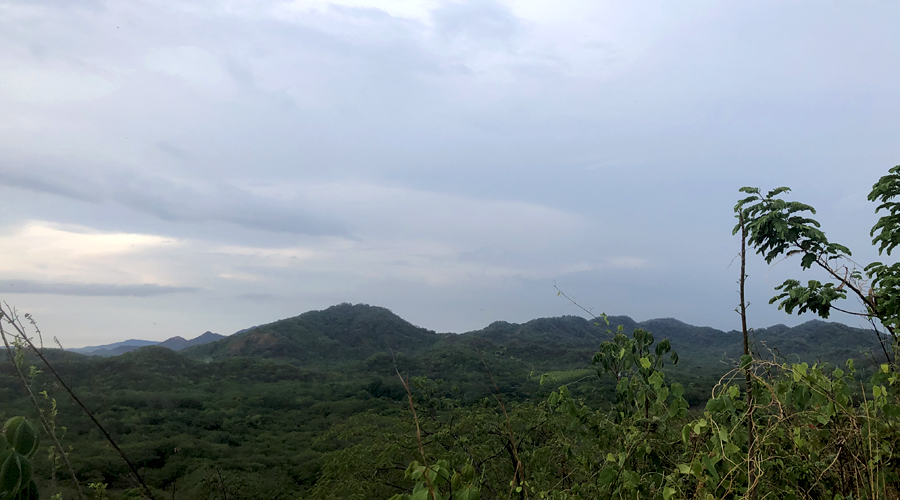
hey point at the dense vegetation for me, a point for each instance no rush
(337, 423)
(354, 402)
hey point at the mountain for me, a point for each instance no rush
(174, 343)
(133, 343)
(341, 333)
(349, 333)
(179, 343)
(832, 342)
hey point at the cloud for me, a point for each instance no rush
(477, 21)
(196, 66)
(256, 297)
(60, 253)
(58, 84)
(451, 154)
(88, 289)
(202, 201)
(625, 262)
(61, 183)
(172, 150)
(179, 200)
(398, 212)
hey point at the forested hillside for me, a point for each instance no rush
(313, 406)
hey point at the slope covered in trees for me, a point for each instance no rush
(268, 417)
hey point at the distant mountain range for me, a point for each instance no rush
(174, 343)
(353, 333)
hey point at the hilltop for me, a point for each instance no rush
(341, 333)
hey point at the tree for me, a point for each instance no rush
(779, 228)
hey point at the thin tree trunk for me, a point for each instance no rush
(743, 311)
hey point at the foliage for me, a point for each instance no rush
(779, 228)
(815, 435)
(240, 426)
(18, 445)
(437, 482)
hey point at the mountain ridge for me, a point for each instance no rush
(176, 343)
(355, 332)
(346, 333)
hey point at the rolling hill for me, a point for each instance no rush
(349, 333)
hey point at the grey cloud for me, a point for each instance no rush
(477, 21)
(171, 201)
(172, 150)
(89, 289)
(59, 183)
(217, 202)
(256, 297)
(674, 111)
(95, 5)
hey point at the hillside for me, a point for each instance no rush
(271, 406)
(348, 333)
(340, 333)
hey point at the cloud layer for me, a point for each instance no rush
(13, 287)
(221, 164)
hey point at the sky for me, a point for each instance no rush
(171, 167)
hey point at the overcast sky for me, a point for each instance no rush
(171, 167)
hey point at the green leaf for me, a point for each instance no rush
(468, 472)
(467, 493)
(606, 476)
(30, 492)
(710, 467)
(9, 428)
(723, 435)
(22, 436)
(15, 473)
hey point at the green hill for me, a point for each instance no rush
(266, 406)
(340, 333)
(348, 333)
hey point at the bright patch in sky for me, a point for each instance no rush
(44, 250)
